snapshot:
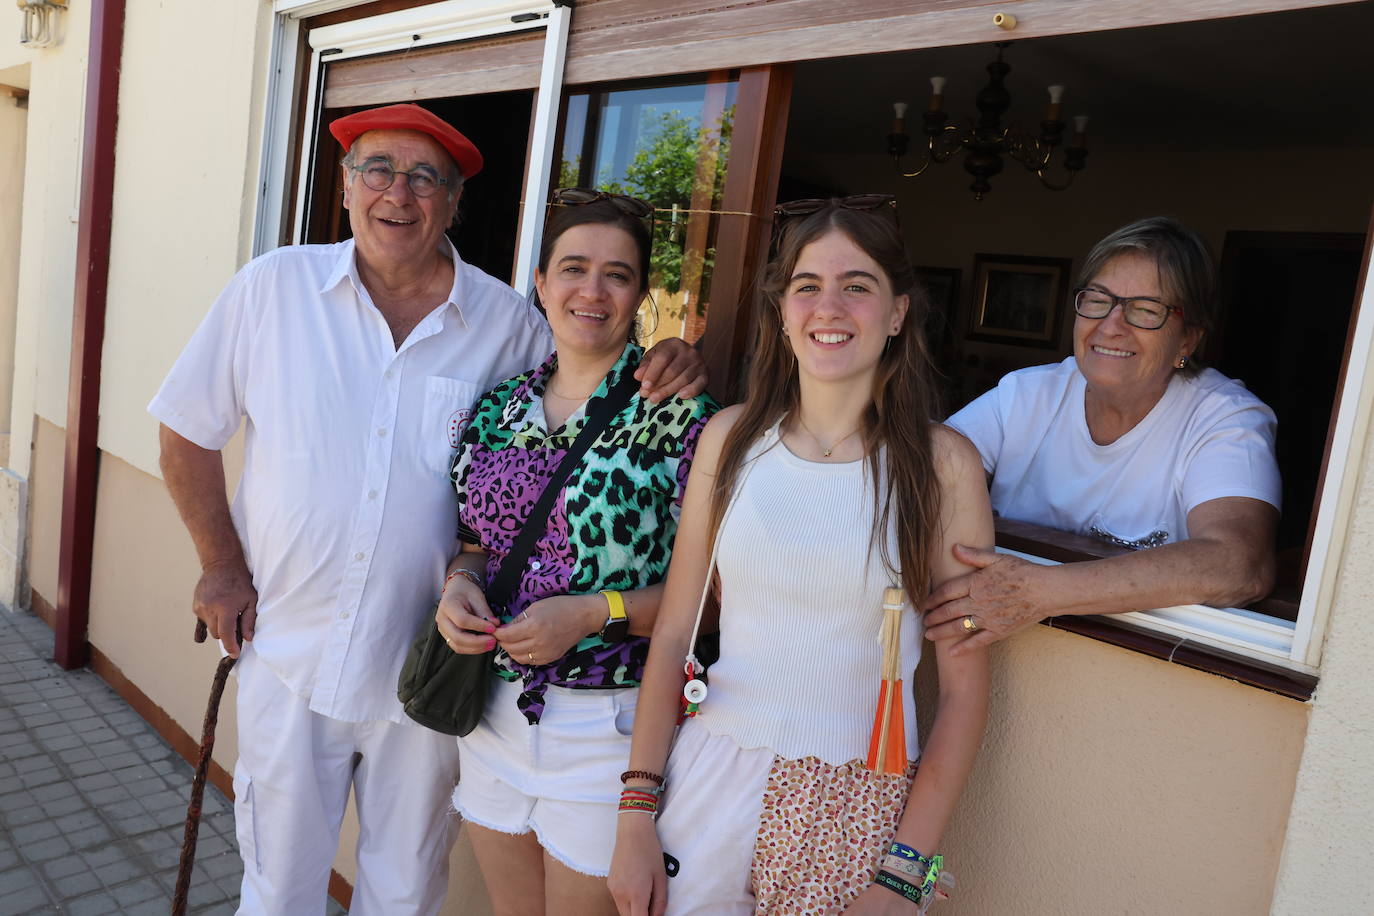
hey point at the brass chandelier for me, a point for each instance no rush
(984, 142)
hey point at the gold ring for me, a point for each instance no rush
(531, 658)
(970, 624)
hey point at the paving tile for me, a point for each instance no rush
(63, 807)
(83, 882)
(118, 872)
(78, 820)
(98, 904)
(52, 792)
(86, 766)
(106, 855)
(13, 801)
(144, 888)
(30, 815)
(32, 833)
(61, 742)
(155, 907)
(20, 892)
(64, 866)
(30, 762)
(90, 837)
(40, 778)
(119, 761)
(103, 798)
(44, 850)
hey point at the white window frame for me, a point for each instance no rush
(435, 23)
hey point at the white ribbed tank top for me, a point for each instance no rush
(801, 611)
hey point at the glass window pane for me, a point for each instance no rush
(669, 145)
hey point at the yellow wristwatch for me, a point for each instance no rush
(617, 625)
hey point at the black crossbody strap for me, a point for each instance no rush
(503, 584)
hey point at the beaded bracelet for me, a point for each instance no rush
(642, 774)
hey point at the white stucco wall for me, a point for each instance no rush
(1326, 850)
(46, 277)
(187, 152)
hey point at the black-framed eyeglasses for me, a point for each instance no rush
(1144, 312)
(576, 197)
(378, 174)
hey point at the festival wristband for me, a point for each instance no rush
(897, 885)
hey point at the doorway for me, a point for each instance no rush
(489, 213)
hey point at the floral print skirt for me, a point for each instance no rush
(751, 832)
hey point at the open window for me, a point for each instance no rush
(1199, 121)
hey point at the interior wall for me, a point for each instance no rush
(1214, 191)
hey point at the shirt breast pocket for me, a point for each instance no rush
(448, 408)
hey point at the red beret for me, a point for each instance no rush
(409, 117)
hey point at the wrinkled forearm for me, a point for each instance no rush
(1196, 571)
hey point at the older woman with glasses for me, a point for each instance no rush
(1129, 441)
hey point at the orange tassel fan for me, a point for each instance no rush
(887, 746)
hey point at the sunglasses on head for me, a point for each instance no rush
(576, 197)
(806, 206)
(852, 202)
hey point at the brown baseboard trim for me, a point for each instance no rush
(340, 889)
(43, 610)
(186, 746)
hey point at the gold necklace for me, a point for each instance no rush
(826, 452)
(549, 390)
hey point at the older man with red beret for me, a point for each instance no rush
(355, 366)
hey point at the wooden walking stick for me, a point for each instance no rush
(887, 746)
(207, 747)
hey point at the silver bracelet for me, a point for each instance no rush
(467, 574)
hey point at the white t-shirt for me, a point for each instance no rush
(1207, 438)
(344, 509)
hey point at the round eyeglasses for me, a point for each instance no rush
(1144, 312)
(378, 174)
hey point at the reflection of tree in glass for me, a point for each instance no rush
(677, 162)
(568, 172)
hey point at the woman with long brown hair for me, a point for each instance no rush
(830, 488)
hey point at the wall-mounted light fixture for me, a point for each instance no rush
(38, 28)
(985, 141)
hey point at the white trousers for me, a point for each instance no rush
(291, 788)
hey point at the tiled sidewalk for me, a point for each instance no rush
(92, 800)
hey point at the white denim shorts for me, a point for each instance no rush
(560, 778)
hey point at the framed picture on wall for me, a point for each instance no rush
(1018, 299)
(942, 286)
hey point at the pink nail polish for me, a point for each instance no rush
(491, 644)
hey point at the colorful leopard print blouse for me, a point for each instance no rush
(611, 528)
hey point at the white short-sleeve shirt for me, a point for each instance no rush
(1207, 438)
(344, 508)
